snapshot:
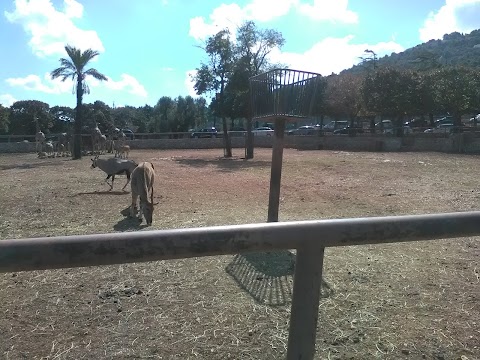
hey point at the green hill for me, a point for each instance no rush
(454, 49)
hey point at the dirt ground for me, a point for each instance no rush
(413, 301)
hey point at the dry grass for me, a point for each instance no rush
(415, 300)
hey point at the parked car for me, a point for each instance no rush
(417, 124)
(445, 128)
(443, 120)
(385, 127)
(349, 130)
(205, 133)
(129, 134)
(263, 131)
(303, 130)
(334, 125)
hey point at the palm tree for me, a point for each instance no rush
(74, 68)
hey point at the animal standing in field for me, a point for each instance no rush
(39, 141)
(62, 144)
(143, 178)
(98, 141)
(114, 166)
(50, 148)
(122, 151)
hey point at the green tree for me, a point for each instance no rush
(391, 92)
(164, 114)
(74, 68)
(30, 116)
(252, 52)
(4, 121)
(144, 119)
(63, 117)
(343, 97)
(200, 112)
(212, 76)
(456, 90)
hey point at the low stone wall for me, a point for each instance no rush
(458, 143)
(17, 147)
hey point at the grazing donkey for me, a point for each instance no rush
(114, 166)
(143, 178)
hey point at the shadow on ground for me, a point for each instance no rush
(106, 192)
(128, 223)
(224, 164)
(33, 165)
(267, 276)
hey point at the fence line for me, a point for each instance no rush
(308, 237)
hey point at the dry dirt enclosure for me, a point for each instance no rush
(414, 301)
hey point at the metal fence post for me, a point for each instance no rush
(276, 170)
(305, 301)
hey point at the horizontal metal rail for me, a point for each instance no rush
(141, 246)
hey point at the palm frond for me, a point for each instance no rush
(63, 73)
(96, 74)
(88, 55)
(66, 63)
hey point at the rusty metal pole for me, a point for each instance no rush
(276, 171)
(305, 300)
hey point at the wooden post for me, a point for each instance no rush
(276, 171)
(305, 299)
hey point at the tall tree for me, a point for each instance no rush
(163, 114)
(74, 68)
(252, 52)
(212, 76)
(391, 92)
(4, 121)
(455, 90)
(200, 112)
(29, 116)
(343, 96)
(63, 117)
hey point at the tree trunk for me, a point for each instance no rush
(77, 135)
(399, 126)
(226, 139)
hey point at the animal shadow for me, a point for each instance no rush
(103, 192)
(128, 223)
(267, 276)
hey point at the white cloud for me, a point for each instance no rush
(7, 100)
(189, 83)
(35, 83)
(266, 10)
(51, 29)
(336, 10)
(32, 82)
(456, 15)
(332, 55)
(223, 17)
(127, 83)
(232, 15)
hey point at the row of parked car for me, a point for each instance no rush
(386, 127)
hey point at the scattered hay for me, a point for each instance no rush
(413, 300)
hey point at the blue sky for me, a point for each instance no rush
(148, 47)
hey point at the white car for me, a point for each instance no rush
(385, 127)
(441, 129)
(263, 131)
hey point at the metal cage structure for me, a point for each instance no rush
(284, 93)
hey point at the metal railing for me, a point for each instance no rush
(309, 238)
